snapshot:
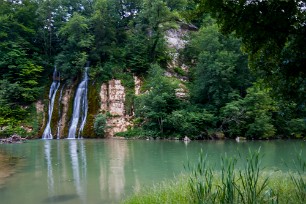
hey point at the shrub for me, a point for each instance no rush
(100, 125)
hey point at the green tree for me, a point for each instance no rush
(105, 20)
(76, 43)
(192, 123)
(251, 116)
(221, 73)
(154, 20)
(158, 102)
(52, 15)
(273, 34)
(20, 61)
(20, 64)
(100, 125)
(137, 53)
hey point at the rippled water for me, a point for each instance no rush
(107, 171)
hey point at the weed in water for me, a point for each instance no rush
(299, 180)
(201, 181)
(227, 190)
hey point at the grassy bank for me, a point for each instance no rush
(250, 184)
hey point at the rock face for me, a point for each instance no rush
(112, 97)
(116, 98)
(182, 92)
(176, 40)
(137, 82)
(64, 103)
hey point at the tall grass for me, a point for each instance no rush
(201, 181)
(227, 190)
(248, 184)
(251, 187)
(176, 191)
(232, 186)
(299, 180)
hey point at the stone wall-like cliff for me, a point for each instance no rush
(176, 41)
(63, 123)
(112, 96)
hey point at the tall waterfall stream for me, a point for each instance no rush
(80, 108)
(52, 93)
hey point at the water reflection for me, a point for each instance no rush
(60, 198)
(49, 167)
(8, 167)
(112, 176)
(66, 171)
(77, 153)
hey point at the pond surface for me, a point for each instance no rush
(107, 171)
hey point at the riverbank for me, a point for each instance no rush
(231, 184)
(280, 189)
(13, 139)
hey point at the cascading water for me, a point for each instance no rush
(52, 93)
(80, 108)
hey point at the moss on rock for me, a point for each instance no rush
(93, 110)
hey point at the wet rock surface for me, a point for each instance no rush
(13, 139)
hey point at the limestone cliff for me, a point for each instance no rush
(176, 41)
(137, 82)
(64, 102)
(112, 96)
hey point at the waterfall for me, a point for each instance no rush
(80, 107)
(52, 93)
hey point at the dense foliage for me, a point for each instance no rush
(246, 62)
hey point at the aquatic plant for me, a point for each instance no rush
(227, 190)
(251, 188)
(299, 179)
(234, 185)
(248, 184)
(201, 181)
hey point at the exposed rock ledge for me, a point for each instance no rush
(13, 139)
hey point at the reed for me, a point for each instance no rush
(227, 190)
(299, 180)
(201, 181)
(247, 185)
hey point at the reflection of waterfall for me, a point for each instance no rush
(78, 169)
(52, 93)
(59, 112)
(49, 167)
(80, 108)
(113, 180)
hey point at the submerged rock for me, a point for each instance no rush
(13, 139)
(186, 139)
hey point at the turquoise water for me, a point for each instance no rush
(107, 171)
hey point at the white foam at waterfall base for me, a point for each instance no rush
(80, 107)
